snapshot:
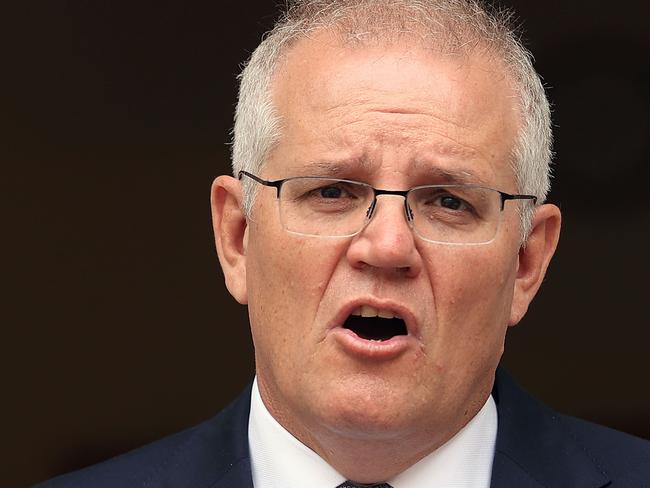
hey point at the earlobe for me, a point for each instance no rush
(534, 259)
(230, 234)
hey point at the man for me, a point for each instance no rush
(385, 227)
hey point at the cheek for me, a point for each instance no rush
(289, 268)
(286, 276)
(473, 291)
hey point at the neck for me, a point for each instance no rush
(371, 457)
(371, 461)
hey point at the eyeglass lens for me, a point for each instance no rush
(337, 208)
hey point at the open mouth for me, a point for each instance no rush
(373, 325)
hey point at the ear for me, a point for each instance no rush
(230, 234)
(534, 258)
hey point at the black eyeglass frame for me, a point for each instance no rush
(277, 184)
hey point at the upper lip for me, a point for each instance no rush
(398, 309)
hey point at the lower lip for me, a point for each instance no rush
(367, 349)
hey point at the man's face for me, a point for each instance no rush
(394, 117)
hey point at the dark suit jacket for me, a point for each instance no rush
(536, 447)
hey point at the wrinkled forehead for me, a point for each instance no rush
(401, 92)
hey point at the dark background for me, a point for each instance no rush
(117, 328)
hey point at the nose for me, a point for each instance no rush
(387, 241)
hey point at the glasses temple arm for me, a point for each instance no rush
(277, 184)
(507, 196)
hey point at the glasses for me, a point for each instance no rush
(444, 214)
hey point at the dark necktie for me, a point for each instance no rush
(350, 484)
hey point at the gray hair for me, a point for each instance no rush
(449, 26)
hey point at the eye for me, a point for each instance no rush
(330, 192)
(447, 202)
(335, 191)
(452, 203)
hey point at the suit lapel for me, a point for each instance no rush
(507, 473)
(216, 453)
(237, 476)
(534, 447)
(231, 461)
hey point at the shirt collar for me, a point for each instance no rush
(279, 460)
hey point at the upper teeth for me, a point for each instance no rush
(368, 311)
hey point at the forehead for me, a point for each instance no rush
(366, 105)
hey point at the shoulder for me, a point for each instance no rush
(134, 468)
(537, 446)
(622, 457)
(196, 457)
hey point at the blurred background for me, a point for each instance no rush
(117, 328)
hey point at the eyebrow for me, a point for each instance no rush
(333, 168)
(432, 174)
(454, 176)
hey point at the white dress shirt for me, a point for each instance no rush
(279, 460)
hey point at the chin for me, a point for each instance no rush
(367, 410)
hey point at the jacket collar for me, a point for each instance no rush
(534, 449)
(534, 446)
(213, 454)
(232, 461)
